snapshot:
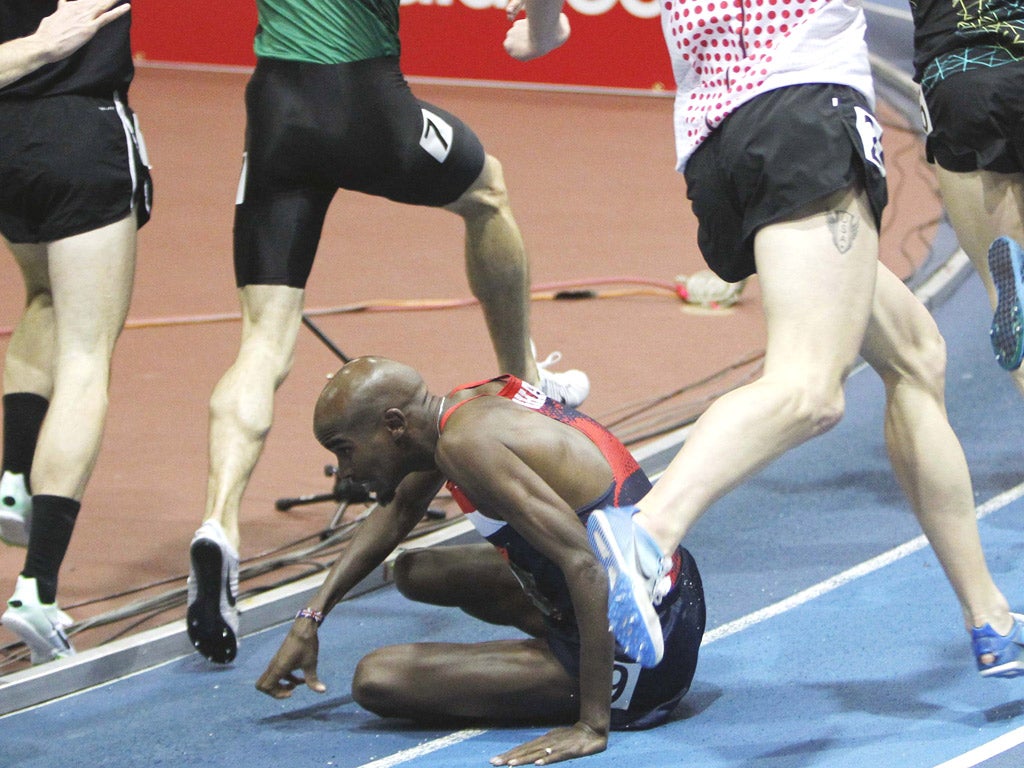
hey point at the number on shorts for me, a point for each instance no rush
(624, 679)
(436, 136)
(870, 131)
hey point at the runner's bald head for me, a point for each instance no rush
(363, 389)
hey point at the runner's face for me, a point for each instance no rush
(370, 460)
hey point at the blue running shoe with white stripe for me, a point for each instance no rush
(638, 580)
(1006, 263)
(1007, 649)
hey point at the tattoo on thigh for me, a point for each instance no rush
(843, 226)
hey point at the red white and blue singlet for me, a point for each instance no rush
(641, 698)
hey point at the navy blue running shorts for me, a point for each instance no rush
(69, 164)
(975, 120)
(772, 157)
(312, 129)
(643, 698)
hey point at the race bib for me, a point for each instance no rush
(436, 136)
(870, 131)
(624, 679)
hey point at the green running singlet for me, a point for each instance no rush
(327, 31)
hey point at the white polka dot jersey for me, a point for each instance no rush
(726, 52)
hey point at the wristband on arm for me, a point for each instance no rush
(309, 613)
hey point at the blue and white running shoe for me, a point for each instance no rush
(1008, 649)
(1006, 263)
(638, 580)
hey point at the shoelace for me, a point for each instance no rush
(551, 359)
(552, 385)
(663, 583)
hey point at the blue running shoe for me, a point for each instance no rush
(638, 580)
(1007, 649)
(1006, 263)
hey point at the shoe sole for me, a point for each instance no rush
(631, 615)
(13, 530)
(209, 632)
(41, 648)
(1006, 671)
(1007, 331)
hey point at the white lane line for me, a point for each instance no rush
(979, 755)
(863, 569)
(424, 749)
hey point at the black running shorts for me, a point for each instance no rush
(977, 120)
(775, 155)
(313, 129)
(68, 165)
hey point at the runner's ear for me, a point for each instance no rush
(395, 421)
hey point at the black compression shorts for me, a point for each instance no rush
(775, 155)
(313, 129)
(68, 165)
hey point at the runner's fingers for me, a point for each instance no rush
(313, 682)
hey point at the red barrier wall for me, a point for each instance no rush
(614, 43)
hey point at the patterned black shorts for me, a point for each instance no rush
(975, 120)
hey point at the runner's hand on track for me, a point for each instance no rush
(554, 746)
(299, 651)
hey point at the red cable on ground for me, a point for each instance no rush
(569, 290)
